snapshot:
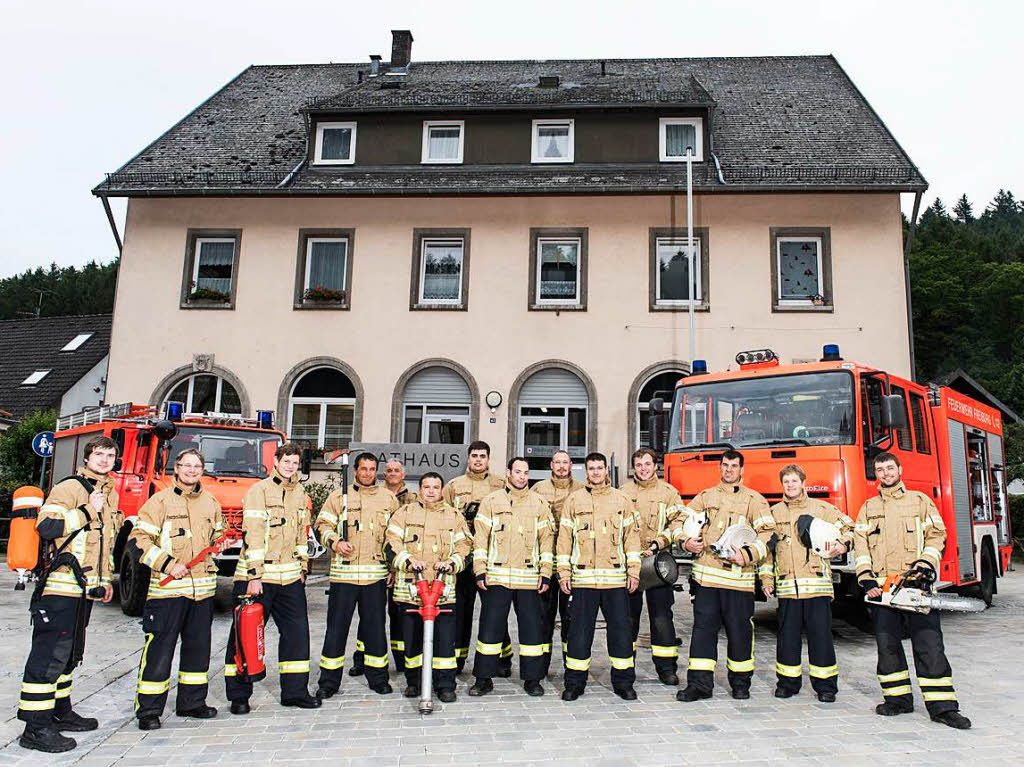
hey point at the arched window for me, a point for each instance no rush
(436, 407)
(665, 383)
(321, 409)
(206, 393)
(554, 414)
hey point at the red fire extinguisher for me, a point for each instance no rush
(249, 645)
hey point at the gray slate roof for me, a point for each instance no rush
(789, 123)
(35, 344)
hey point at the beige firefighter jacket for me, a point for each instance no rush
(432, 533)
(275, 538)
(894, 529)
(172, 527)
(598, 544)
(405, 495)
(470, 488)
(796, 571)
(656, 507)
(514, 539)
(369, 511)
(66, 510)
(555, 491)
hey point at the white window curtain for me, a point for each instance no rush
(678, 138)
(327, 264)
(214, 264)
(553, 141)
(337, 144)
(443, 142)
(442, 271)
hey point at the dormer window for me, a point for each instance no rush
(443, 141)
(335, 143)
(75, 342)
(35, 378)
(553, 141)
(676, 134)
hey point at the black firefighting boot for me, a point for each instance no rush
(533, 688)
(149, 723)
(691, 693)
(72, 722)
(46, 739)
(668, 677)
(446, 696)
(200, 712)
(889, 708)
(412, 691)
(302, 701)
(953, 719)
(482, 687)
(626, 693)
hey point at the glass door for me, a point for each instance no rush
(539, 437)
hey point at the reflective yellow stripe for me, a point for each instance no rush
(397, 644)
(230, 669)
(326, 515)
(36, 705)
(940, 681)
(293, 666)
(192, 677)
(255, 514)
(661, 651)
(360, 646)
(461, 652)
(823, 672)
(931, 551)
(621, 663)
(791, 671)
(413, 661)
(147, 527)
(332, 663)
(895, 676)
(506, 651)
(531, 650)
(488, 648)
(37, 688)
(575, 664)
(63, 692)
(376, 661)
(153, 688)
(739, 666)
(702, 664)
(944, 695)
(895, 691)
(443, 663)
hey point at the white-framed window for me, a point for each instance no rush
(673, 284)
(436, 424)
(321, 409)
(443, 141)
(212, 267)
(326, 264)
(553, 141)
(335, 143)
(558, 271)
(675, 134)
(799, 270)
(205, 393)
(35, 378)
(76, 342)
(441, 264)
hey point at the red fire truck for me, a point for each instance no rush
(832, 417)
(238, 453)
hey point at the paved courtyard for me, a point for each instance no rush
(507, 727)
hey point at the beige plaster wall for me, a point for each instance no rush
(263, 337)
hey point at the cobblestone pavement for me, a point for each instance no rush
(361, 728)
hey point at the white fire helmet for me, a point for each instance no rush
(694, 524)
(816, 534)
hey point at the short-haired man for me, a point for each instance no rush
(895, 530)
(272, 569)
(79, 519)
(513, 555)
(394, 480)
(555, 489)
(171, 530)
(432, 538)
(464, 493)
(656, 506)
(725, 593)
(802, 580)
(599, 565)
(355, 535)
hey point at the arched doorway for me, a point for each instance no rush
(554, 411)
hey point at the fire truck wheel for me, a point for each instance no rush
(987, 585)
(133, 584)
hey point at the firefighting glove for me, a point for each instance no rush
(869, 584)
(545, 581)
(481, 578)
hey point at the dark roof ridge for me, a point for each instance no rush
(62, 317)
(596, 60)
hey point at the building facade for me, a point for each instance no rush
(383, 252)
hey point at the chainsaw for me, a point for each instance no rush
(914, 591)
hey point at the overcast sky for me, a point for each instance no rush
(88, 84)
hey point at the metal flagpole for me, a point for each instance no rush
(689, 249)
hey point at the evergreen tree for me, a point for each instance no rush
(962, 210)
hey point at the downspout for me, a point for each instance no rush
(113, 224)
(906, 282)
(305, 156)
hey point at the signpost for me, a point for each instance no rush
(447, 460)
(42, 445)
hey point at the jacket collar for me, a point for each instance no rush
(287, 484)
(101, 481)
(194, 492)
(727, 489)
(561, 484)
(647, 484)
(433, 506)
(800, 500)
(598, 489)
(514, 492)
(477, 476)
(368, 490)
(896, 491)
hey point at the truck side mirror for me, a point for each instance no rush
(893, 412)
(656, 428)
(307, 461)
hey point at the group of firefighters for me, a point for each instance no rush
(561, 548)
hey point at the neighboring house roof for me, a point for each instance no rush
(27, 346)
(959, 381)
(778, 123)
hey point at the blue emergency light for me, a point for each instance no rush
(175, 410)
(700, 367)
(830, 353)
(265, 419)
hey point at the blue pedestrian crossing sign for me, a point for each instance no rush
(42, 444)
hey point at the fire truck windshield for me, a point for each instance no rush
(797, 409)
(228, 452)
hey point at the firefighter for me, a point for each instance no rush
(802, 581)
(171, 529)
(465, 493)
(358, 575)
(656, 506)
(513, 556)
(394, 480)
(429, 537)
(598, 566)
(895, 530)
(272, 568)
(555, 489)
(725, 588)
(78, 518)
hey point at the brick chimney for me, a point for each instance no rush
(401, 48)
